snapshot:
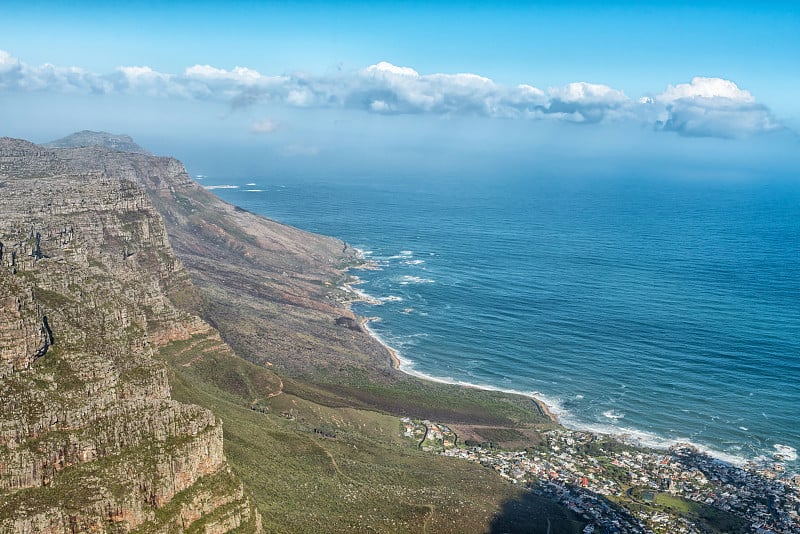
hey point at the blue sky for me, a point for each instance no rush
(357, 85)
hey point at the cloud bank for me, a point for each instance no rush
(712, 107)
(705, 107)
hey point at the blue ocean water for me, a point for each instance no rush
(665, 310)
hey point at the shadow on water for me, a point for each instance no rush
(529, 513)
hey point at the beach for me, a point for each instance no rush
(395, 361)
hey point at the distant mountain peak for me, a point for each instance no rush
(120, 142)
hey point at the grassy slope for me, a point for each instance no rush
(368, 478)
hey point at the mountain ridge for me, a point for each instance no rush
(120, 142)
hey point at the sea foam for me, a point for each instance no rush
(408, 279)
(785, 452)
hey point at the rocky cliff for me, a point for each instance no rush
(89, 437)
(269, 288)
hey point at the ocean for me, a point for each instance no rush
(664, 310)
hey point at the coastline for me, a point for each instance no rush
(397, 363)
(388, 252)
(395, 360)
(634, 437)
(629, 436)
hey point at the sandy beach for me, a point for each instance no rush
(395, 361)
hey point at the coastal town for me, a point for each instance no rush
(617, 488)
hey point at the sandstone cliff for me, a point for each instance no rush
(89, 437)
(269, 288)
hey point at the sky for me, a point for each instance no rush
(429, 88)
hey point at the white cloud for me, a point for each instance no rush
(521, 101)
(706, 88)
(717, 118)
(588, 93)
(379, 106)
(586, 102)
(16, 75)
(712, 107)
(205, 71)
(384, 68)
(264, 126)
(8, 63)
(240, 75)
(139, 73)
(145, 80)
(529, 90)
(703, 107)
(301, 97)
(386, 88)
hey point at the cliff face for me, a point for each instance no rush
(89, 437)
(265, 285)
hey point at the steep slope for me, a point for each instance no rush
(89, 436)
(251, 271)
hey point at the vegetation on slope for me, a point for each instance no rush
(357, 472)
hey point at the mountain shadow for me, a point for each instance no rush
(532, 514)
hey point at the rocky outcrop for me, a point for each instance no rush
(349, 322)
(23, 335)
(21, 159)
(89, 437)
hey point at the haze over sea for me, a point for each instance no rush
(665, 309)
